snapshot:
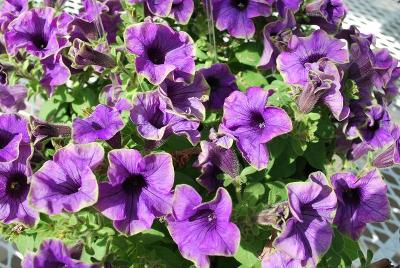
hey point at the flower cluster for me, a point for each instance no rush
(146, 112)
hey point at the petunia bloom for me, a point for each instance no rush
(292, 64)
(391, 156)
(113, 96)
(138, 189)
(222, 83)
(331, 12)
(67, 183)
(103, 124)
(53, 253)
(56, 73)
(159, 8)
(160, 51)
(12, 98)
(202, 229)
(236, 16)
(280, 259)
(312, 206)
(9, 10)
(288, 5)
(38, 31)
(182, 10)
(253, 124)
(360, 201)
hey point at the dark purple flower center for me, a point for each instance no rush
(156, 55)
(257, 120)
(96, 126)
(240, 4)
(134, 183)
(17, 184)
(352, 196)
(5, 138)
(312, 58)
(39, 41)
(157, 119)
(204, 214)
(213, 82)
(177, 5)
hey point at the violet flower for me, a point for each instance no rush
(391, 156)
(138, 189)
(253, 124)
(155, 123)
(332, 12)
(112, 96)
(12, 98)
(56, 73)
(38, 31)
(391, 90)
(279, 259)
(202, 229)
(9, 10)
(283, 6)
(186, 99)
(182, 10)
(308, 233)
(103, 124)
(158, 8)
(67, 183)
(161, 51)
(303, 50)
(222, 83)
(360, 201)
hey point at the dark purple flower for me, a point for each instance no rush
(324, 85)
(53, 254)
(12, 98)
(155, 123)
(360, 201)
(67, 183)
(279, 259)
(292, 64)
(276, 37)
(186, 99)
(156, 7)
(202, 229)
(236, 15)
(308, 233)
(14, 138)
(138, 189)
(288, 5)
(103, 124)
(222, 83)
(332, 11)
(9, 10)
(253, 124)
(161, 51)
(182, 10)
(391, 90)
(56, 73)
(38, 31)
(14, 188)
(391, 156)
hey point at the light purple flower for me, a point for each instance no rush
(391, 90)
(288, 5)
(279, 259)
(56, 73)
(222, 83)
(236, 15)
(67, 183)
(253, 124)
(38, 31)
(360, 201)
(182, 10)
(160, 52)
(14, 188)
(202, 229)
(155, 123)
(9, 10)
(308, 233)
(332, 11)
(159, 8)
(391, 156)
(112, 96)
(12, 98)
(138, 189)
(303, 50)
(186, 99)
(103, 124)
(53, 253)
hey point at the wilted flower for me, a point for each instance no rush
(67, 182)
(236, 15)
(103, 124)
(292, 64)
(253, 124)
(159, 8)
(42, 130)
(56, 73)
(391, 155)
(12, 98)
(280, 259)
(202, 229)
(161, 51)
(138, 189)
(332, 12)
(9, 10)
(222, 83)
(84, 55)
(360, 201)
(182, 10)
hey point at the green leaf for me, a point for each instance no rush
(316, 155)
(253, 192)
(24, 243)
(245, 257)
(249, 54)
(277, 192)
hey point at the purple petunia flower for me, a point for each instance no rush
(279, 259)
(53, 253)
(160, 52)
(56, 73)
(14, 188)
(138, 189)
(360, 201)
(9, 10)
(391, 155)
(332, 13)
(324, 85)
(12, 98)
(202, 229)
(288, 5)
(38, 31)
(222, 83)
(186, 99)
(155, 123)
(159, 8)
(14, 138)
(391, 90)
(103, 124)
(312, 206)
(236, 15)
(112, 96)
(253, 124)
(67, 183)
(182, 10)
(292, 64)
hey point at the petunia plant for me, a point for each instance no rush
(192, 133)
